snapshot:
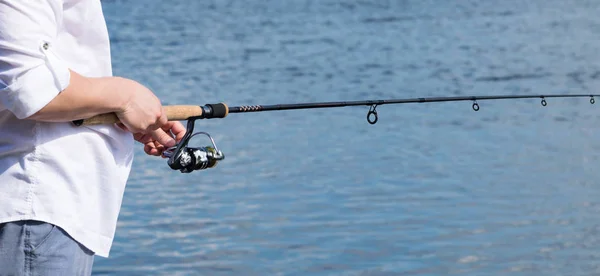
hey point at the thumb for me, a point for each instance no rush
(163, 138)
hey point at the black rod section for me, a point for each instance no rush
(258, 108)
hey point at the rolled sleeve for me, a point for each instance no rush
(31, 75)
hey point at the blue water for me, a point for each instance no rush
(431, 189)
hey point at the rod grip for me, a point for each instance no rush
(174, 113)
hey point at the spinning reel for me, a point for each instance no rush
(188, 159)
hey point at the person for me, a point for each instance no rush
(61, 185)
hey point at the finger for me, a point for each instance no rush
(152, 152)
(156, 125)
(163, 117)
(143, 138)
(160, 121)
(150, 149)
(159, 147)
(163, 138)
(175, 129)
(178, 130)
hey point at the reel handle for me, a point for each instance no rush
(174, 113)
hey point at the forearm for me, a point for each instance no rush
(83, 98)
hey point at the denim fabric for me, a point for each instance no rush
(38, 248)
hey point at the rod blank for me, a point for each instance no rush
(258, 108)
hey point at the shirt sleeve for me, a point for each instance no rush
(31, 75)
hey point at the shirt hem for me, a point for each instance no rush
(96, 243)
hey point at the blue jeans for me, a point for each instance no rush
(38, 248)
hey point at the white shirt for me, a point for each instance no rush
(70, 176)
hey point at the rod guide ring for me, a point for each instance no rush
(372, 112)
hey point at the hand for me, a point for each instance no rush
(142, 111)
(143, 115)
(157, 141)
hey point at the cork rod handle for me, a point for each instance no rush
(174, 113)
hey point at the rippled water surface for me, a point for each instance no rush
(431, 189)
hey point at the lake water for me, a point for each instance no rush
(431, 189)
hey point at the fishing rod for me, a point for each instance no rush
(187, 159)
